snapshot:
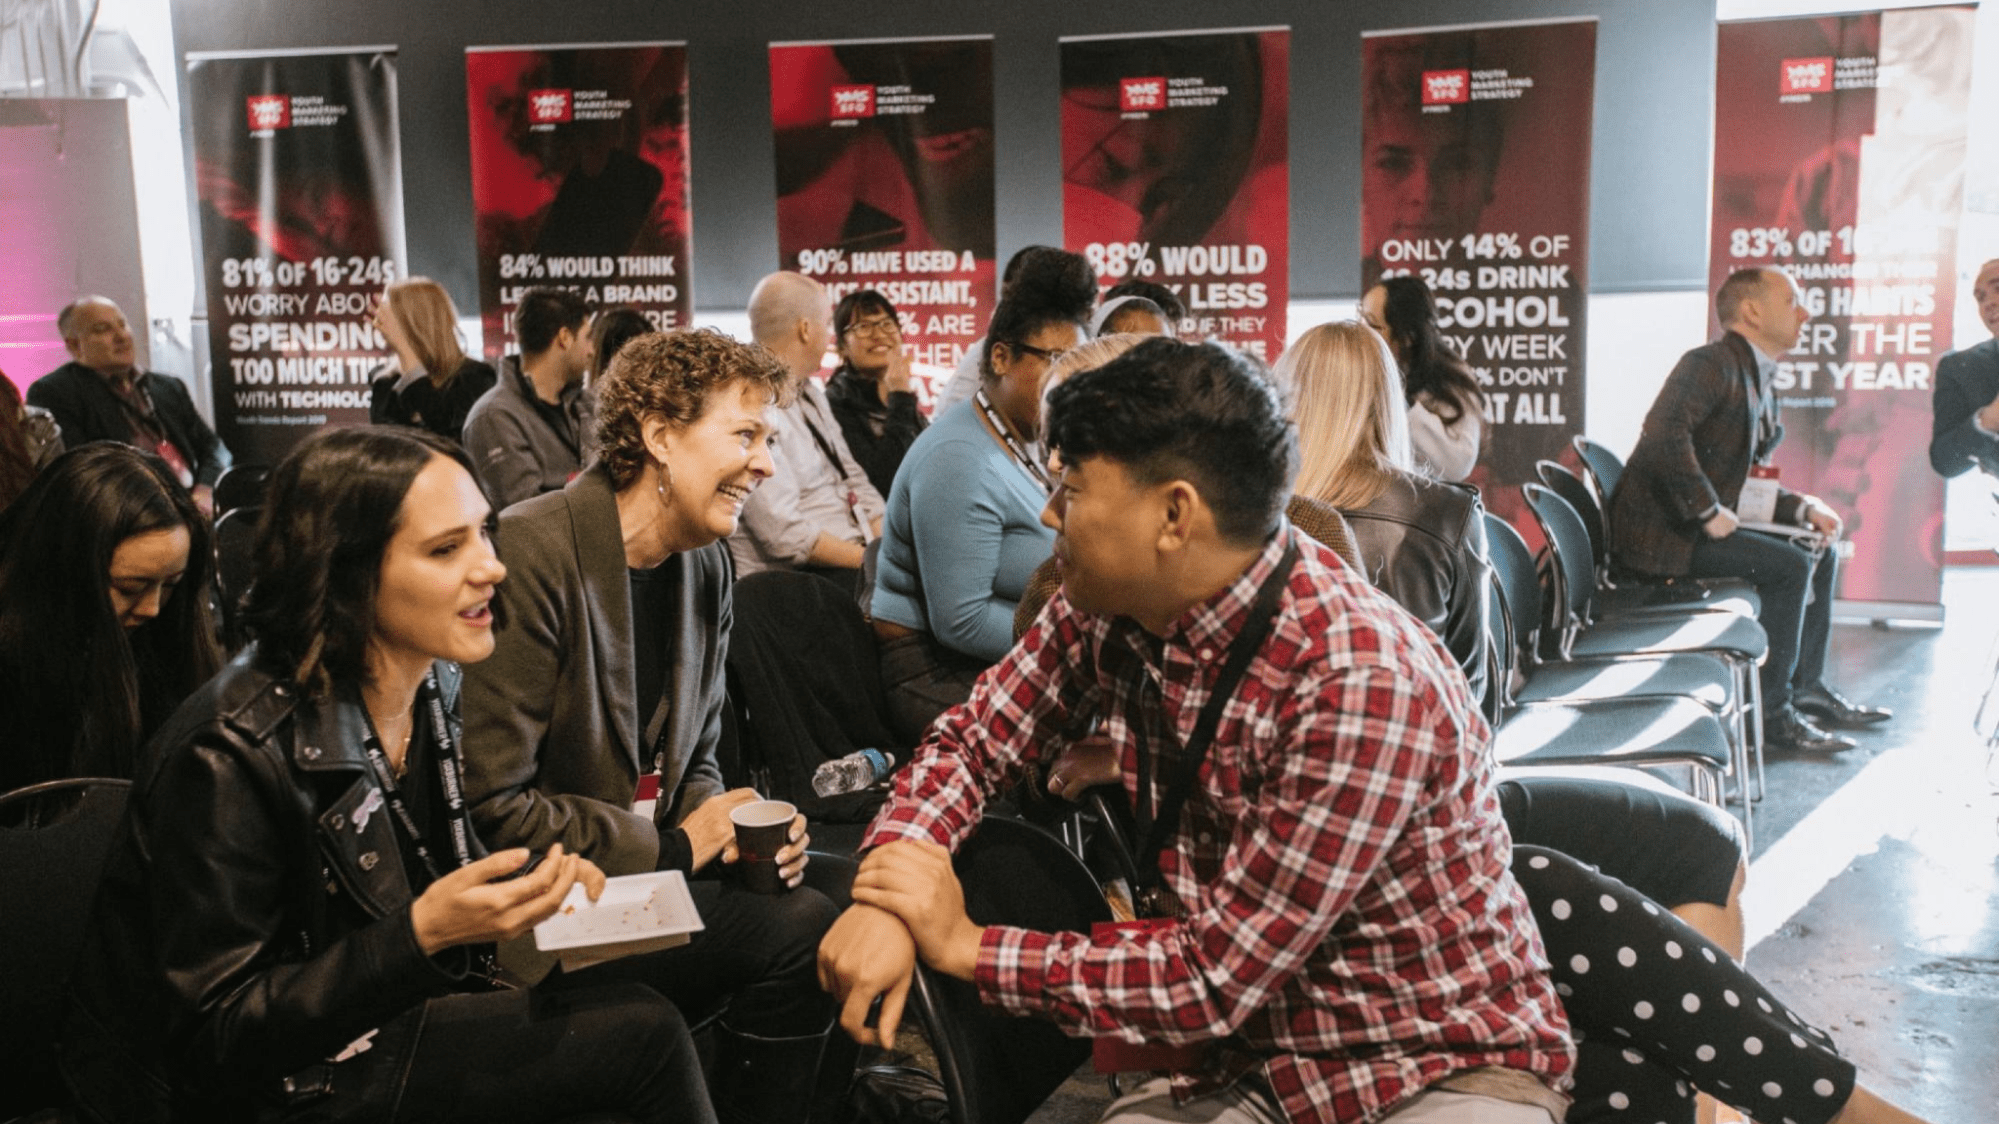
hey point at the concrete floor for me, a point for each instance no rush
(1873, 897)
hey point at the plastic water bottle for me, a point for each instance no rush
(853, 773)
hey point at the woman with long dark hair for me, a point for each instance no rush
(1446, 407)
(104, 622)
(296, 921)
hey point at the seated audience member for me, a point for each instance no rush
(104, 622)
(818, 511)
(609, 666)
(295, 920)
(530, 434)
(1446, 408)
(102, 395)
(430, 383)
(1422, 541)
(610, 331)
(29, 440)
(1168, 301)
(869, 392)
(964, 530)
(1966, 401)
(1135, 316)
(1312, 853)
(1049, 270)
(1673, 513)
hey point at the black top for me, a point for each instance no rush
(423, 405)
(878, 435)
(652, 613)
(88, 409)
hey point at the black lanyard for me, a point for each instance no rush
(449, 769)
(1012, 443)
(1149, 892)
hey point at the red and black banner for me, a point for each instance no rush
(1475, 160)
(1176, 169)
(885, 181)
(1839, 155)
(299, 183)
(579, 178)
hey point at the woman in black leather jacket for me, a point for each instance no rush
(296, 918)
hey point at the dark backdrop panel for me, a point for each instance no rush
(1654, 103)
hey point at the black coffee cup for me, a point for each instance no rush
(763, 828)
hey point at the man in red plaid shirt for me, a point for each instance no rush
(1346, 942)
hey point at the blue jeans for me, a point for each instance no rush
(1787, 576)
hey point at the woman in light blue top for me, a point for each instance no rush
(963, 529)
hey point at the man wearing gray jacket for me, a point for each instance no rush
(534, 430)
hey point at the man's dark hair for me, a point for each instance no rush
(612, 330)
(1740, 286)
(1121, 318)
(545, 311)
(1195, 412)
(1168, 301)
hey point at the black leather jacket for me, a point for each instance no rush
(250, 925)
(1422, 542)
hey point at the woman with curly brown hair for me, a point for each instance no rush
(595, 723)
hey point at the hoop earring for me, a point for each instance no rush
(660, 486)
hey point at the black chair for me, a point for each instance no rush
(241, 486)
(1604, 470)
(54, 839)
(235, 566)
(1614, 597)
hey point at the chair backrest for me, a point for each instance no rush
(1606, 467)
(54, 840)
(1324, 523)
(1041, 586)
(1563, 482)
(1521, 605)
(235, 566)
(241, 486)
(1575, 578)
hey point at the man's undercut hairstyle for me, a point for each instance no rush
(66, 319)
(1742, 285)
(674, 376)
(1167, 300)
(1200, 413)
(545, 311)
(332, 507)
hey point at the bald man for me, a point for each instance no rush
(817, 512)
(1966, 404)
(101, 394)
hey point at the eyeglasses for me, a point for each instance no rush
(1044, 353)
(878, 327)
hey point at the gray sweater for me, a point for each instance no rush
(523, 447)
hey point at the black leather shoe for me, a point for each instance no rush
(1837, 711)
(1791, 731)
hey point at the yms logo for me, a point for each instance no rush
(1446, 87)
(268, 111)
(1141, 95)
(548, 107)
(1805, 76)
(853, 101)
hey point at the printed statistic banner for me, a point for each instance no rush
(885, 182)
(579, 178)
(1176, 170)
(299, 185)
(1839, 155)
(1475, 158)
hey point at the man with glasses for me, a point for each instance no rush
(818, 511)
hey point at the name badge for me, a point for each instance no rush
(1113, 1056)
(1758, 502)
(646, 800)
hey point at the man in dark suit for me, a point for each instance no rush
(1673, 513)
(1966, 432)
(102, 395)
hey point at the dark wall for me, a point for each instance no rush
(1654, 106)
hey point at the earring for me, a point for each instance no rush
(665, 482)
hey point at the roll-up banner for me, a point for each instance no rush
(1176, 170)
(1839, 155)
(885, 182)
(1475, 161)
(579, 178)
(299, 185)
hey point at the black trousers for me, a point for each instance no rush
(1787, 577)
(619, 1051)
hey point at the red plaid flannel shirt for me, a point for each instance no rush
(1351, 924)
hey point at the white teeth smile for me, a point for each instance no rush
(734, 492)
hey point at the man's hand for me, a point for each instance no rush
(791, 857)
(1988, 416)
(913, 880)
(709, 828)
(1083, 765)
(1721, 524)
(1819, 516)
(868, 953)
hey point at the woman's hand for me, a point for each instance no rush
(791, 858)
(709, 828)
(468, 906)
(895, 377)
